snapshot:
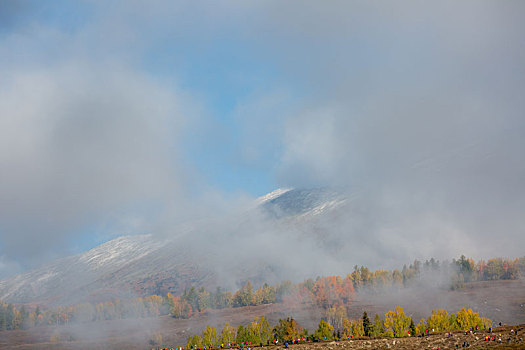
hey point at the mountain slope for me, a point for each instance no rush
(207, 255)
(73, 274)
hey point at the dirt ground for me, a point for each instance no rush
(476, 340)
(501, 301)
(506, 337)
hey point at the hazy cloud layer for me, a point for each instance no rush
(421, 118)
(76, 147)
(415, 109)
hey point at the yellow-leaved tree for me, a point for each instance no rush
(467, 319)
(397, 323)
(438, 321)
(227, 335)
(209, 336)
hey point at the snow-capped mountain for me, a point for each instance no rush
(208, 255)
(59, 278)
(290, 203)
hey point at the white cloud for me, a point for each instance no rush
(416, 108)
(79, 142)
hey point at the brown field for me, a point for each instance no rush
(502, 301)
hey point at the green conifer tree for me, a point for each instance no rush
(412, 327)
(366, 325)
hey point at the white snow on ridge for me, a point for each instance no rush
(324, 207)
(80, 269)
(274, 194)
(120, 251)
(136, 256)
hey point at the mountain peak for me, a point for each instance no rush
(290, 202)
(272, 195)
(148, 264)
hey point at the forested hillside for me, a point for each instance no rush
(331, 293)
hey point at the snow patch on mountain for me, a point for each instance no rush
(75, 272)
(130, 261)
(296, 202)
(320, 209)
(272, 195)
(119, 251)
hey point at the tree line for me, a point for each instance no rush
(13, 318)
(325, 292)
(459, 271)
(394, 324)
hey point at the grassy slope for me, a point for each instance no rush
(499, 300)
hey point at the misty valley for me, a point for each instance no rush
(333, 299)
(166, 290)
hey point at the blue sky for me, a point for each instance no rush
(222, 73)
(124, 117)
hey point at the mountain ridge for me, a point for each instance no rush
(147, 264)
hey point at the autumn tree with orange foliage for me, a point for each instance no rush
(333, 290)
